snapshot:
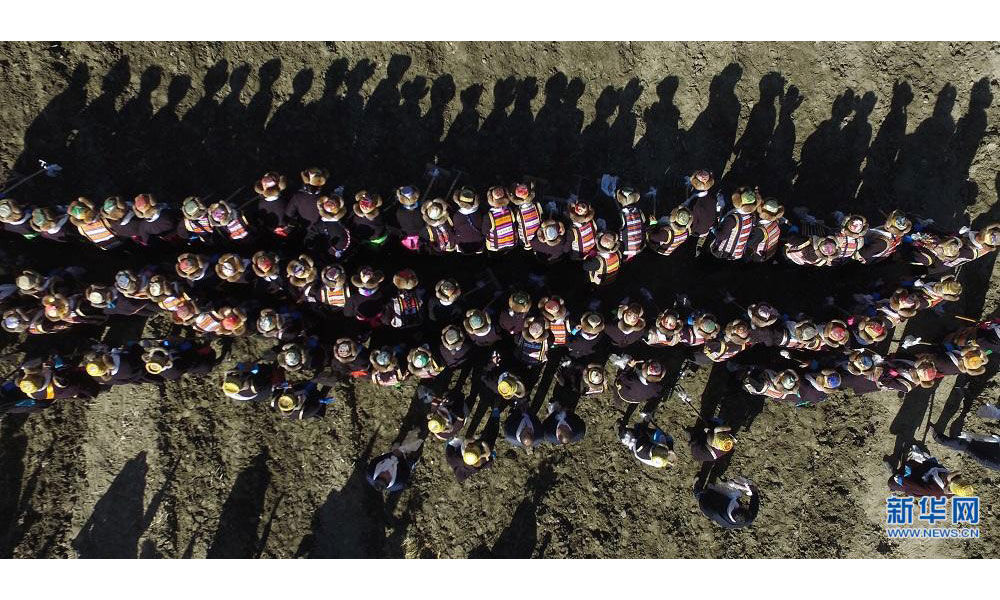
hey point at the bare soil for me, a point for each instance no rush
(186, 473)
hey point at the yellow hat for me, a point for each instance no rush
(286, 402)
(230, 387)
(96, 369)
(660, 457)
(436, 423)
(506, 388)
(470, 457)
(722, 441)
(30, 384)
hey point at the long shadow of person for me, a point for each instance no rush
(857, 137)
(823, 159)
(350, 523)
(920, 183)
(621, 134)
(908, 420)
(116, 523)
(545, 134)
(328, 114)
(131, 147)
(521, 123)
(595, 137)
(442, 93)
(658, 150)
(48, 135)
(237, 533)
(883, 155)
(750, 150)
(201, 126)
(257, 112)
(12, 452)
(291, 122)
(779, 166)
(459, 148)
(90, 165)
(373, 142)
(496, 147)
(165, 134)
(411, 150)
(232, 116)
(709, 141)
(964, 145)
(570, 119)
(520, 537)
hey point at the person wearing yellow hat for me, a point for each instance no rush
(710, 441)
(251, 383)
(50, 380)
(446, 415)
(732, 233)
(921, 474)
(467, 457)
(969, 359)
(116, 366)
(648, 444)
(984, 449)
(935, 291)
(169, 359)
(299, 401)
(508, 386)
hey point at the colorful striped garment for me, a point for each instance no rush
(633, 226)
(529, 220)
(96, 232)
(585, 240)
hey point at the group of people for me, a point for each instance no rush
(298, 264)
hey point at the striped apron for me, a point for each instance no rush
(736, 244)
(528, 220)
(585, 240)
(633, 230)
(502, 234)
(679, 238)
(198, 226)
(236, 230)
(848, 245)
(559, 333)
(96, 232)
(772, 231)
(333, 296)
(207, 323)
(611, 264)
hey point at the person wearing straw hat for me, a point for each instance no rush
(251, 383)
(580, 379)
(194, 224)
(922, 475)
(801, 334)
(627, 326)
(781, 386)
(169, 359)
(531, 346)
(408, 216)
(935, 291)
(670, 232)
(499, 228)
(588, 337)
(666, 329)
(281, 324)
(157, 222)
(365, 302)
(116, 366)
(367, 224)
(764, 238)
(422, 364)
(350, 358)
(603, 267)
(984, 449)
(902, 305)
(91, 225)
(550, 244)
(907, 374)
(468, 222)
(385, 370)
(405, 308)
(851, 237)
(446, 415)
(72, 309)
(455, 346)
(134, 284)
(862, 371)
(266, 267)
(521, 428)
(31, 321)
(270, 211)
(512, 319)
(817, 386)
(16, 218)
(467, 457)
(233, 268)
(50, 223)
(639, 382)
(648, 444)
(391, 472)
(301, 273)
(869, 330)
(985, 334)
(304, 355)
(732, 233)
(735, 339)
(33, 284)
(329, 227)
(303, 205)
(438, 232)
(108, 300)
(300, 401)
(193, 267)
(708, 442)
(583, 241)
(527, 212)
(633, 222)
(332, 290)
(834, 335)
(553, 310)
(969, 359)
(699, 327)
(51, 379)
(479, 328)
(230, 221)
(445, 306)
(882, 242)
(704, 205)
(233, 321)
(977, 244)
(731, 504)
(814, 251)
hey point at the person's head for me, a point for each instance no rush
(898, 223)
(553, 308)
(960, 487)
(98, 364)
(581, 212)
(989, 236)
(10, 211)
(367, 204)
(345, 350)
(235, 380)
(407, 195)
(270, 184)
(292, 357)
(30, 383)
(509, 386)
(473, 453)
(29, 282)
(627, 196)
(466, 199)
(527, 436)
(652, 370)
(746, 200)
(81, 211)
(631, 314)
(973, 359)
(534, 329)
(405, 279)
(452, 337)
(56, 306)
(826, 247)
(706, 326)
(519, 301)
(301, 271)
(787, 380)
(435, 212)
(331, 207)
(477, 322)
(737, 331)
(702, 180)
(770, 210)
(950, 247)
(419, 358)
(607, 243)
(564, 434)
(436, 423)
(447, 291)
(230, 267)
(661, 457)
(145, 206)
(722, 440)
(854, 225)
(367, 278)
(925, 371)
(762, 314)
(551, 232)
(591, 323)
(382, 481)
(192, 207)
(383, 360)
(333, 276)
(264, 264)
(497, 197)
(680, 218)
(948, 288)
(314, 176)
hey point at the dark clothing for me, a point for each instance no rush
(631, 389)
(355, 368)
(984, 452)
(920, 481)
(468, 232)
(620, 339)
(568, 419)
(163, 227)
(367, 229)
(131, 368)
(453, 456)
(715, 505)
(364, 307)
(302, 206)
(336, 236)
(514, 422)
(188, 357)
(770, 336)
(553, 253)
(439, 313)
(397, 460)
(489, 339)
(698, 445)
(409, 221)
(270, 215)
(702, 215)
(511, 322)
(21, 229)
(580, 347)
(453, 358)
(123, 305)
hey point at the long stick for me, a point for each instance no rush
(51, 169)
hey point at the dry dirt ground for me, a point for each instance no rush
(186, 473)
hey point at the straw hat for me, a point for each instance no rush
(221, 214)
(770, 210)
(989, 236)
(805, 330)
(314, 176)
(652, 370)
(680, 218)
(331, 207)
(594, 376)
(292, 357)
(29, 282)
(447, 290)
(157, 360)
(405, 279)
(160, 287)
(264, 263)
(737, 331)
(230, 267)
(591, 323)
(668, 321)
(98, 364)
(825, 247)
(81, 211)
(333, 276)
(497, 197)
(535, 329)
(630, 315)
(476, 322)
(100, 296)
(56, 307)
(522, 192)
(301, 271)
(435, 212)
(419, 358)
(43, 218)
(288, 402)
(898, 223)
(607, 243)
(702, 180)
(904, 302)
(550, 232)
(581, 212)
(863, 362)
(465, 198)
(452, 337)
(762, 314)
(233, 320)
(190, 264)
(367, 205)
(129, 283)
(519, 301)
(746, 200)
(192, 207)
(626, 196)
(948, 288)
(16, 320)
(835, 333)
(30, 383)
(367, 278)
(787, 380)
(924, 370)
(407, 195)
(10, 211)
(553, 308)
(270, 184)
(145, 206)
(948, 247)
(346, 350)
(871, 329)
(383, 360)
(268, 320)
(510, 386)
(829, 380)
(973, 360)
(706, 326)
(856, 225)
